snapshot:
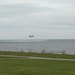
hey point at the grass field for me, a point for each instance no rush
(48, 55)
(36, 67)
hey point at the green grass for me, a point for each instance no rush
(5, 57)
(36, 67)
(48, 55)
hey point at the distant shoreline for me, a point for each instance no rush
(30, 40)
(33, 54)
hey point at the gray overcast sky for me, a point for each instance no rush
(45, 19)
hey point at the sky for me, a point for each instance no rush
(45, 19)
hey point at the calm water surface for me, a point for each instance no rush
(50, 46)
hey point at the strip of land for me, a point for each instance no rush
(30, 57)
(33, 54)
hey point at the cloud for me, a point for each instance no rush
(39, 17)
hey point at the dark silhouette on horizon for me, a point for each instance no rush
(31, 36)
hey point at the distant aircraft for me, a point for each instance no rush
(31, 36)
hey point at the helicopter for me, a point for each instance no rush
(31, 36)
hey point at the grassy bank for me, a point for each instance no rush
(48, 55)
(36, 67)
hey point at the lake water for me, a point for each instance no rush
(49, 46)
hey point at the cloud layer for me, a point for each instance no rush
(48, 19)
